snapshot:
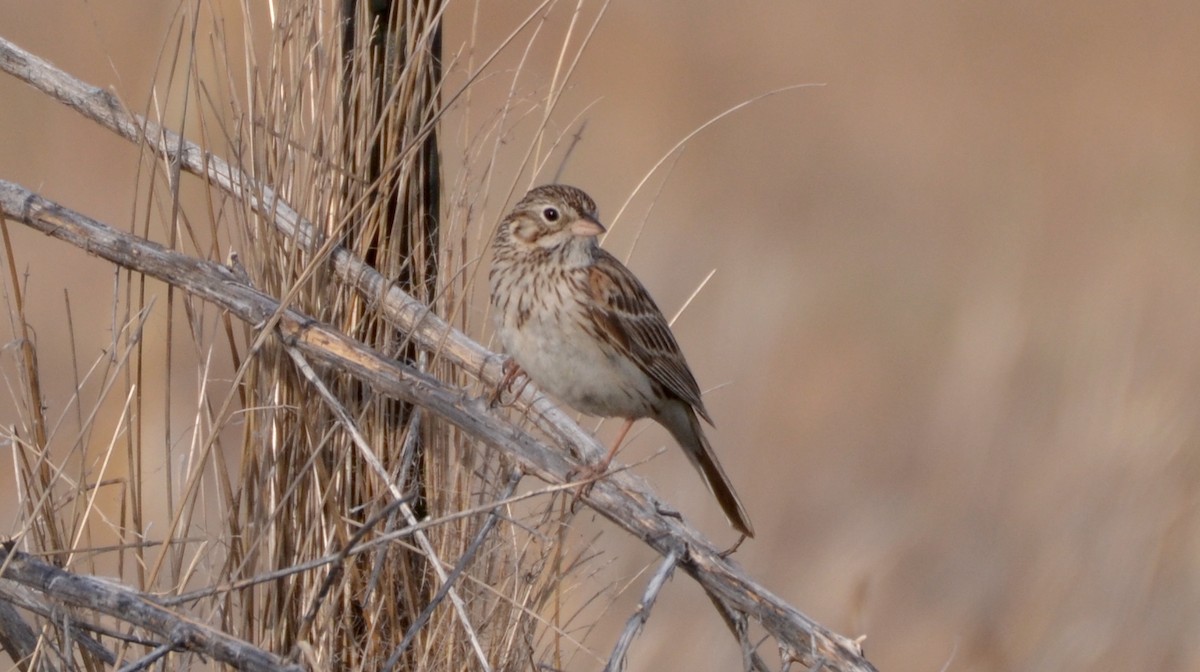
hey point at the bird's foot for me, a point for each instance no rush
(591, 473)
(732, 549)
(512, 371)
(587, 475)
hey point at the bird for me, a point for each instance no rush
(577, 322)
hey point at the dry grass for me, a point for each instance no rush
(963, 407)
(195, 462)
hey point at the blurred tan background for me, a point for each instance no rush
(951, 338)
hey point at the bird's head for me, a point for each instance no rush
(554, 215)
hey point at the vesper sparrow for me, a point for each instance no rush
(585, 330)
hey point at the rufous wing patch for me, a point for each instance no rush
(602, 288)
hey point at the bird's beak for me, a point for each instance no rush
(587, 227)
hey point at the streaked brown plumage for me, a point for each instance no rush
(582, 327)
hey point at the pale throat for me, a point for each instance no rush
(579, 252)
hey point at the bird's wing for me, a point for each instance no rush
(624, 309)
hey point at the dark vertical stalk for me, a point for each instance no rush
(391, 81)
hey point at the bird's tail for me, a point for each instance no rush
(681, 421)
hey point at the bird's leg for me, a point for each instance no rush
(612, 452)
(590, 473)
(512, 371)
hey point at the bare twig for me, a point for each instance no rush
(616, 662)
(738, 625)
(149, 659)
(464, 562)
(17, 638)
(137, 609)
(27, 598)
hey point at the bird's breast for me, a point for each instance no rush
(548, 329)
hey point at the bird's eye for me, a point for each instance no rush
(550, 214)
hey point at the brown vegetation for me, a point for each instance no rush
(950, 339)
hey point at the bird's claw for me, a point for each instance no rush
(732, 549)
(512, 371)
(587, 475)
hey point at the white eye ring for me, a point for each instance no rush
(550, 214)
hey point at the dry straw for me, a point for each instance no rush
(278, 460)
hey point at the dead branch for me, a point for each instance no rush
(135, 608)
(17, 637)
(616, 661)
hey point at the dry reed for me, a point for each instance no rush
(202, 462)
